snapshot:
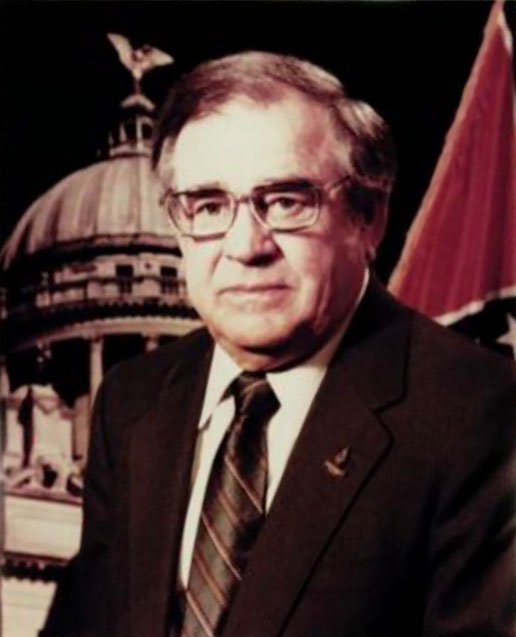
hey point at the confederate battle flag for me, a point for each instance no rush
(459, 261)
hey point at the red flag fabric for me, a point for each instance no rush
(459, 260)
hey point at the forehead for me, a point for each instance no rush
(244, 143)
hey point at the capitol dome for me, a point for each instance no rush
(114, 202)
(95, 258)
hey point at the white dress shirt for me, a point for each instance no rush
(295, 390)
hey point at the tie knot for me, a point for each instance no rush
(253, 395)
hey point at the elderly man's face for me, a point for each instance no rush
(269, 297)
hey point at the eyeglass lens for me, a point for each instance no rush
(279, 206)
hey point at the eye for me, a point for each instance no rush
(285, 203)
(208, 207)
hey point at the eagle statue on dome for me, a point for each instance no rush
(138, 60)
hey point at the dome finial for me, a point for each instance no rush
(138, 61)
(136, 122)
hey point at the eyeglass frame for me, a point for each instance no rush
(248, 199)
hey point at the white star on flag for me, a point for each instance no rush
(509, 338)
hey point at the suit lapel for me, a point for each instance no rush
(160, 456)
(314, 498)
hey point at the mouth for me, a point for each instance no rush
(257, 288)
(255, 297)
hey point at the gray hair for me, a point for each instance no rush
(367, 153)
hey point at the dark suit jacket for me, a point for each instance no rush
(417, 538)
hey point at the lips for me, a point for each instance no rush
(253, 288)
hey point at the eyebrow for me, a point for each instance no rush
(297, 182)
(287, 181)
(207, 186)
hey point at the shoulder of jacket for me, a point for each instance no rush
(150, 368)
(453, 357)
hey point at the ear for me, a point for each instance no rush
(165, 175)
(182, 241)
(373, 232)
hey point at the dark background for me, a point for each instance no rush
(62, 81)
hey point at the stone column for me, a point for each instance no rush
(96, 371)
(81, 430)
(151, 342)
(4, 394)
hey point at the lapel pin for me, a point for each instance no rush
(335, 466)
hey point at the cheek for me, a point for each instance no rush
(313, 269)
(199, 263)
(329, 271)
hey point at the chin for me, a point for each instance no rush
(257, 333)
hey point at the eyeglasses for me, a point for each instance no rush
(208, 213)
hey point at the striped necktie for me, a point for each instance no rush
(233, 509)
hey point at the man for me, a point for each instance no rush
(320, 460)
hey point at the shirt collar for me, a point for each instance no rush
(223, 372)
(289, 385)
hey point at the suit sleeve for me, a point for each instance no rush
(472, 557)
(82, 603)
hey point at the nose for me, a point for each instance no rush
(249, 241)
